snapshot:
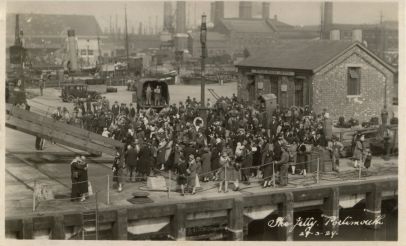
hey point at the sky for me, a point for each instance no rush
(151, 12)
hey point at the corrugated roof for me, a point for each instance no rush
(54, 25)
(247, 25)
(305, 55)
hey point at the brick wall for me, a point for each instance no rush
(330, 87)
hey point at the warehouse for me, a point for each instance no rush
(341, 76)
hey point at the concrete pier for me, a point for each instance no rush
(173, 219)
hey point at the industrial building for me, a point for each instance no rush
(44, 36)
(344, 77)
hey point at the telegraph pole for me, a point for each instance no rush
(203, 40)
(126, 38)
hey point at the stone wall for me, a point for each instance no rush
(330, 87)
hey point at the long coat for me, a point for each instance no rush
(131, 157)
(79, 179)
(146, 160)
(358, 150)
(206, 163)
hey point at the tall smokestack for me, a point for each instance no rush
(72, 51)
(265, 10)
(245, 10)
(180, 16)
(212, 11)
(167, 16)
(328, 14)
(17, 39)
(218, 12)
(140, 28)
(181, 36)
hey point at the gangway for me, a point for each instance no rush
(59, 132)
(214, 94)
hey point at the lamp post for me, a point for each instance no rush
(203, 39)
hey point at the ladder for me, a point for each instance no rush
(90, 223)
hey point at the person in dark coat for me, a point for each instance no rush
(206, 165)
(301, 158)
(118, 171)
(284, 166)
(182, 174)
(146, 159)
(131, 157)
(75, 194)
(267, 158)
(82, 179)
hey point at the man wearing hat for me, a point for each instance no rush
(115, 109)
(283, 164)
(335, 148)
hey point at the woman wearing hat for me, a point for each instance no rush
(192, 170)
(181, 169)
(358, 151)
(223, 177)
(206, 164)
(117, 171)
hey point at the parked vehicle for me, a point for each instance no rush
(77, 91)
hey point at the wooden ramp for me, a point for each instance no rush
(59, 132)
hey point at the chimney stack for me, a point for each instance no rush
(265, 10)
(245, 10)
(218, 12)
(72, 51)
(167, 16)
(180, 17)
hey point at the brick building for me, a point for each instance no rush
(344, 77)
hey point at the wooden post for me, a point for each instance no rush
(331, 210)
(108, 189)
(120, 225)
(273, 175)
(28, 228)
(58, 228)
(33, 197)
(169, 184)
(318, 171)
(285, 208)
(236, 220)
(178, 223)
(373, 202)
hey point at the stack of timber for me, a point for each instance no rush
(59, 132)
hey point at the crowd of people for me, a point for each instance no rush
(234, 144)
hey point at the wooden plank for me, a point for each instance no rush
(13, 225)
(28, 228)
(356, 189)
(58, 228)
(263, 199)
(60, 126)
(43, 223)
(207, 222)
(331, 208)
(373, 203)
(120, 225)
(161, 210)
(178, 223)
(60, 137)
(236, 220)
(285, 208)
(209, 205)
(72, 219)
(313, 194)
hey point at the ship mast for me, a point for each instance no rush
(126, 38)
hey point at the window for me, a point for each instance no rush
(90, 52)
(354, 81)
(82, 52)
